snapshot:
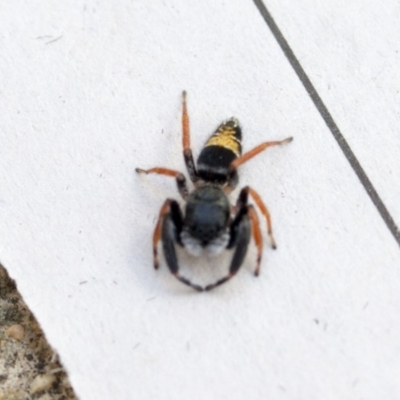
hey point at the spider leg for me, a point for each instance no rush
(255, 222)
(169, 227)
(169, 207)
(179, 177)
(255, 225)
(240, 237)
(187, 151)
(243, 197)
(258, 149)
(232, 178)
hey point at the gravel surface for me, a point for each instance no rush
(29, 368)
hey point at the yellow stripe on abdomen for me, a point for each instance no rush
(225, 137)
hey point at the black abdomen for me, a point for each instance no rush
(219, 151)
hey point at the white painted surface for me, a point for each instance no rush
(350, 51)
(79, 114)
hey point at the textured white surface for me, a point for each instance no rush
(80, 113)
(351, 53)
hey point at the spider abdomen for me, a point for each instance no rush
(220, 150)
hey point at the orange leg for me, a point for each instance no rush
(264, 211)
(187, 151)
(160, 171)
(255, 224)
(180, 178)
(157, 231)
(185, 124)
(252, 153)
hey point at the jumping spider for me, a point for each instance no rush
(210, 223)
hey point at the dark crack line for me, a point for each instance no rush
(329, 121)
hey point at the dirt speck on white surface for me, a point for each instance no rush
(29, 368)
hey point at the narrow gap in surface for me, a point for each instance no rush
(362, 176)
